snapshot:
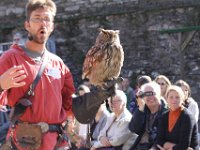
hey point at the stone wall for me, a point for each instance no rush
(147, 49)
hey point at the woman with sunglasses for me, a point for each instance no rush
(164, 83)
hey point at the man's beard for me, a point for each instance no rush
(34, 38)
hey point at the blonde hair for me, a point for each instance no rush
(164, 78)
(32, 5)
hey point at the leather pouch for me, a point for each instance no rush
(29, 136)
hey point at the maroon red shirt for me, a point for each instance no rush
(53, 94)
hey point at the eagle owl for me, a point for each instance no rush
(105, 59)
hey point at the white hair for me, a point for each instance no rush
(121, 95)
(155, 86)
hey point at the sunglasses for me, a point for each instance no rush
(161, 83)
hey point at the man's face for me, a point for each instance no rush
(40, 25)
(151, 100)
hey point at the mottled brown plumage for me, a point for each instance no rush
(105, 59)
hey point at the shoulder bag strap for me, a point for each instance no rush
(41, 70)
(24, 102)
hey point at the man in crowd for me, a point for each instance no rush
(144, 121)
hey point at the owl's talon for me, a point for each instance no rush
(110, 83)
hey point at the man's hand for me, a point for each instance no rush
(140, 101)
(13, 77)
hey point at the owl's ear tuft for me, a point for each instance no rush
(101, 30)
(117, 31)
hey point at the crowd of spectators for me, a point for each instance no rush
(158, 114)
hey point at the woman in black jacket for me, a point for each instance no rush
(178, 128)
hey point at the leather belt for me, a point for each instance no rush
(45, 127)
(54, 128)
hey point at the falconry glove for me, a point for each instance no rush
(85, 107)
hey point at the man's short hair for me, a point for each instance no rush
(154, 86)
(32, 5)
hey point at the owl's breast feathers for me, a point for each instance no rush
(93, 56)
(105, 59)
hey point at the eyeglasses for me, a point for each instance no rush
(115, 101)
(16, 40)
(161, 83)
(38, 20)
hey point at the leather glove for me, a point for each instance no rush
(110, 86)
(85, 107)
(108, 90)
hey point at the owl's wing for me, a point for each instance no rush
(93, 56)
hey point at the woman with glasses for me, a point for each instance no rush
(164, 83)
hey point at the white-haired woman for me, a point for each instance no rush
(115, 133)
